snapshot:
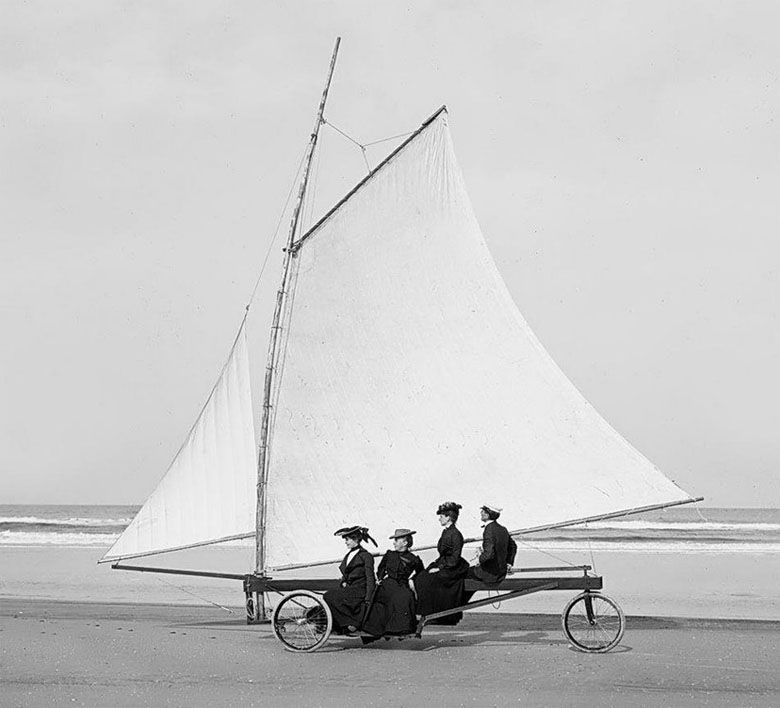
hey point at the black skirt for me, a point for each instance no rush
(441, 591)
(346, 605)
(393, 610)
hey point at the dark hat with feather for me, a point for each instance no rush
(359, 533)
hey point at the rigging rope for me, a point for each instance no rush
(590, 549)
(546, 553)
(701, 516)
(312, 199)
(284, 325)
(341, 132)
(276, 232)
(363, 146)
(244, 318)
(204, 599)
(392, 137)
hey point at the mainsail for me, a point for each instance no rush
(208, 493)
(407, 377)
(411, 378)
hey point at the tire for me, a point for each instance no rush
(302, 621)
(597, 633)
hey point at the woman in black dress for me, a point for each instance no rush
(393, 608)
(348, 602)
(441, 586)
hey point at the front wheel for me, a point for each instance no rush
(593, 623)
(302, 621)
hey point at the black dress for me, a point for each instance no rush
(348, 602)
(441, 591)
(393, 608)
(498, 552)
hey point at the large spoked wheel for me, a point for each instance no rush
(302, 621)
(594, 623)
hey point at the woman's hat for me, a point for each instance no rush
(400, 533)
(349, 531)
(360, 531)
(448, 506)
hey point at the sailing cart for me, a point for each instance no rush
(302, 621)
(399, 373)
(592, 622)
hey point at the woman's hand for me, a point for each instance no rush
(434, 570)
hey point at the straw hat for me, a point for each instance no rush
(400, 533)
(492, 507)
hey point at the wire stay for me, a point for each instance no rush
(363, 146)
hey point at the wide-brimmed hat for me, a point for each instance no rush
(492, 507)
(349, 530)
(360, 531)
(400, 533)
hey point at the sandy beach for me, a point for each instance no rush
(712, 586)
(702, 629)
(63, 653)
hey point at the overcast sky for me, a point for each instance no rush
(623, 160)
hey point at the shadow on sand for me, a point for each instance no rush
(484, 629)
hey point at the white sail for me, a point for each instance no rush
(208, 494)
(411, 378)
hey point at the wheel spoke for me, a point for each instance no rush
(301, 621)
(602, 631)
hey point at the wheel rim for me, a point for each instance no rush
(302, 621)
(600, 634)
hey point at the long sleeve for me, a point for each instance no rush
(368, 565)
(343, 569)
(511, 551)
(417, 565)
(488, 545)
(455, 542)
(380, 571)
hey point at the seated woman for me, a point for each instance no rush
(441, 586)
(348, 603)
(392, 610)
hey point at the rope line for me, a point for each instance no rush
(392, 137)
(204, 599)
(276, 233)
(341, 132)
(546, 553)
(365, 158)
(590, 549)
(363, 146)
(314, 181)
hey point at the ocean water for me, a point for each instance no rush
(678, 562)
(674, 530)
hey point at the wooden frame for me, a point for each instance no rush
(509, 588)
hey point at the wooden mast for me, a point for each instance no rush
(274, 342)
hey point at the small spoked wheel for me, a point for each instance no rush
(302, 621)
(594, 623)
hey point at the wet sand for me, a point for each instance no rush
(718, 585)
(100, 654)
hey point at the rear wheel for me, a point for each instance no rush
(302, 621)
(594, 623)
